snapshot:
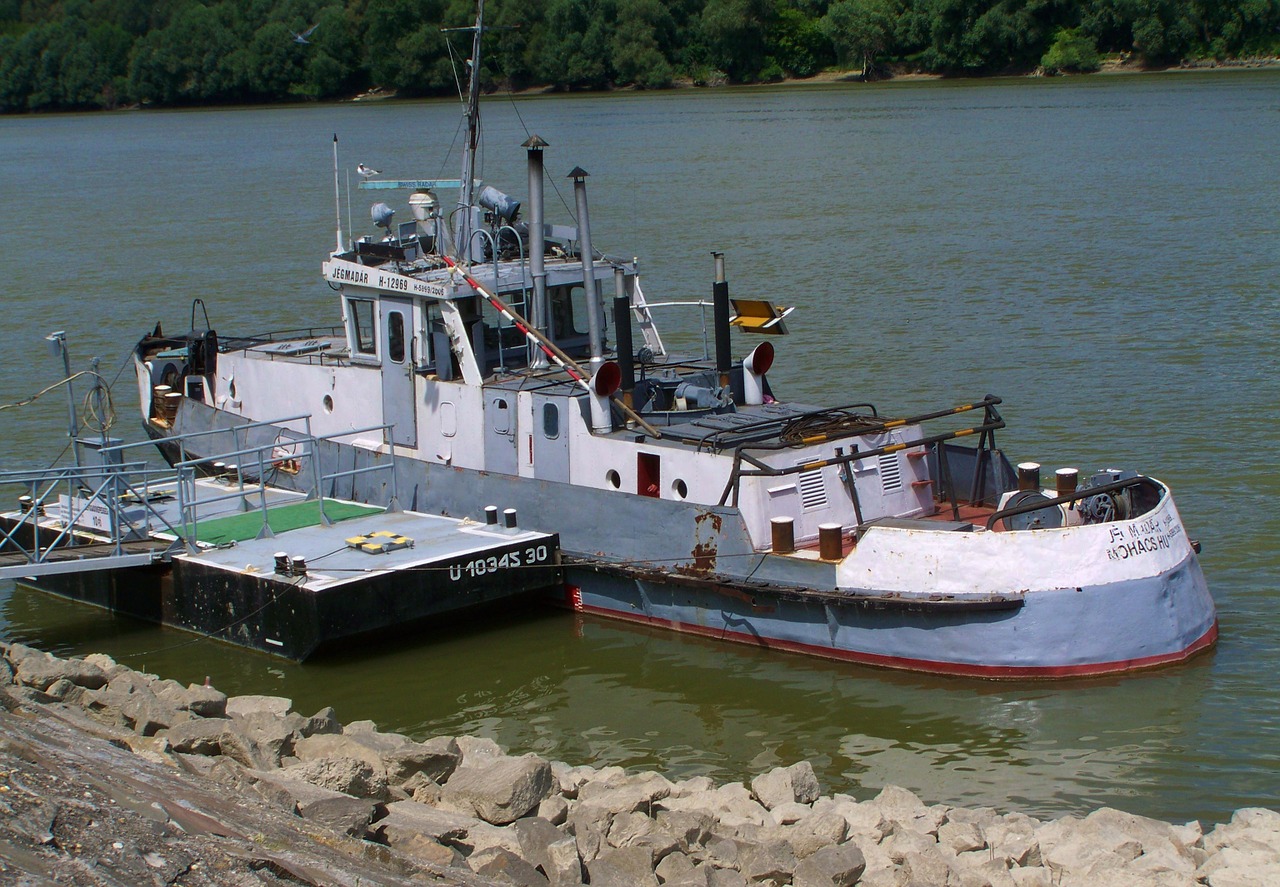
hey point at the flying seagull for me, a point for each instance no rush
(302, 38)
(368, 171)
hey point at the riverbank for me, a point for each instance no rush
(109, 775)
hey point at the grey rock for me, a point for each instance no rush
(789, 812)
(675, 866)
(555, 809)
(830, 867)
(323, 721)
(563, 865)
(146, 715)
(927, 869)
(693, 785)
(405, 819)
(731, 805)
(475, 748)
(243, 705)
(692, 828)
(815, 832)
(501, 791)
(431, 852)
(333, 809)
(396, 757)
(900, 805)
(347, 775)
(205, 702)
(726, 878)
(622, 867)
(533, 836)
(504, 867)
(40, 670)
(209, 736)
(638, 830)
(6, 673)
(365, 726)
(271, 737)
(1031, 876)
(961, 837)
(422, 788)
(624, 795)
(782, 785)
(589, 827)
(766, 861)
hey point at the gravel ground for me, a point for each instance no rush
(78, 806)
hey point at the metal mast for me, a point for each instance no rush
(467, 191)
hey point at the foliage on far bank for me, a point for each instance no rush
(82, 54)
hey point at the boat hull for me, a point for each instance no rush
(694, 568)
(1098, 630)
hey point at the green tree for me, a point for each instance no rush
(860, 30)
(191, 61)
(576, 43)
(735, 34)
(643, 28)
(1071, 51)
(799, 43)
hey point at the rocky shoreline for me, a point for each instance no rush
(111, 776)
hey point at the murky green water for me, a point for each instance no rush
(1102, 253)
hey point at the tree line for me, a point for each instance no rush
(85, 54)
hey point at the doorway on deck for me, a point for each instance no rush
(649, 474)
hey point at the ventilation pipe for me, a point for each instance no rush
(754, 367)
(425, 207)
(720, 316)
(622, 331)
(594, 311)
(604, 381)
(537, 246)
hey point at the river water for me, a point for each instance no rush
(1101, 252)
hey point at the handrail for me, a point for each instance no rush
(394, 503)
(114, 483)
(1080, 493)
(758, 468)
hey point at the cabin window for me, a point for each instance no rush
(395, 336)
(363, 331)
(550, 421)
(568, 311)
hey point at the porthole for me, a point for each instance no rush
(613, 478)
(328, 404)
(680, 489)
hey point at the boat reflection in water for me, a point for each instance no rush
(589, 691)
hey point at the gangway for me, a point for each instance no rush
(116, 514)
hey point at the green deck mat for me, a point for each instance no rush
(281, 519)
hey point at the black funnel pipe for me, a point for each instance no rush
(720, 317)
(622, 330)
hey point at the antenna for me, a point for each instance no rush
(467, 196)
(337, 198)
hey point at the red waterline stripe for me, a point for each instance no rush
(923, 665)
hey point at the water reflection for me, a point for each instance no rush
(592, 691)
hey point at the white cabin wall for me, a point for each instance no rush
(267, 389)
(448, 430)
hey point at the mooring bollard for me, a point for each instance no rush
(784, 534)
(830, 542)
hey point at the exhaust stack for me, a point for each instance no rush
(537, 246)
(622, 332)
(720, 317)
(579, 176)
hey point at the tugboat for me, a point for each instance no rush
(686, 492)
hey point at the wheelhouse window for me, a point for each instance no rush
(395, 336)
(568, 311)
(364, 333)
